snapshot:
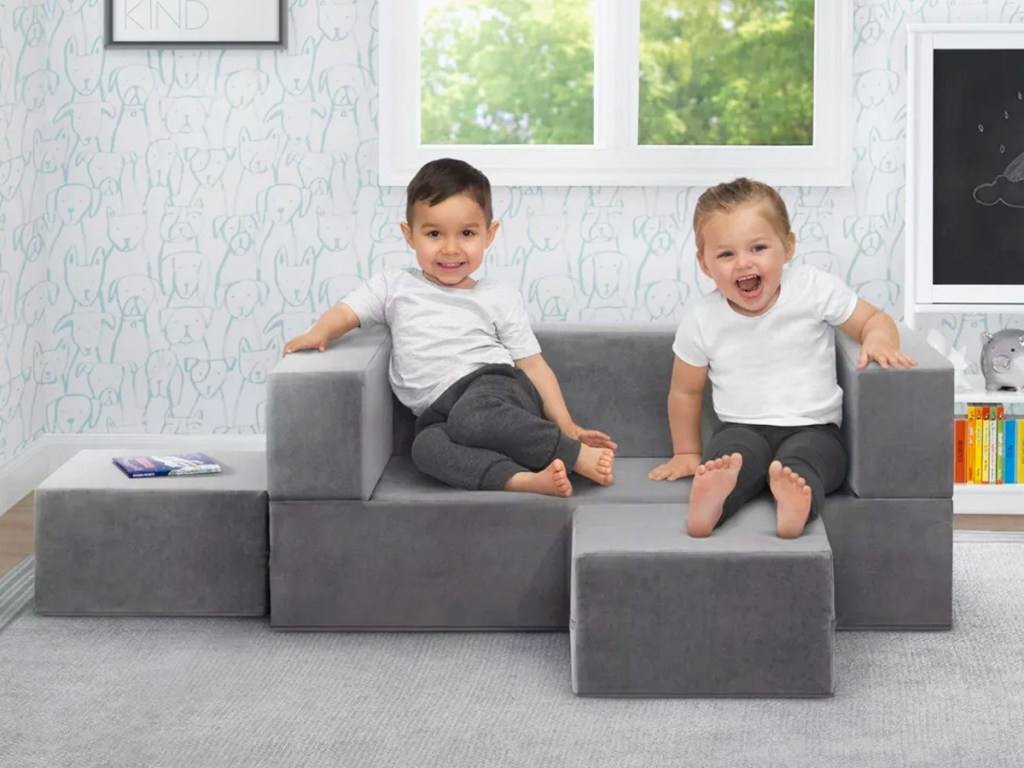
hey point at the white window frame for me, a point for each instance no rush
(615, 158)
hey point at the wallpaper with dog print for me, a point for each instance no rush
(26, 295)
(171, 217)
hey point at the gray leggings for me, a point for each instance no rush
(485, 428)
(815, 452)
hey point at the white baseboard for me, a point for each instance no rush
(47, 453)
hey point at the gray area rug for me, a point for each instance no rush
(231, 692)
(16, 588)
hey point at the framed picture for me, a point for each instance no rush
(195, 23)
(965, 168)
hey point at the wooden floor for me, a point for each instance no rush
(17, 530)
(17, 534)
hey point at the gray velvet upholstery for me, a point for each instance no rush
(402, 483)
(618, 377)
(898, 424)
(740, 613)
(893, 561)
(359, 539)
(355, 565)
(329, 431)
(402, 559)
(108, 544)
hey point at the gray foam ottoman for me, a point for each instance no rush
(654, 612)
(108, 544)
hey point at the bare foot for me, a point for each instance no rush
(553, 480)
(596, 464)
(792, 500)
(712, 484)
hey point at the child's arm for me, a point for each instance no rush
(335, 322)
(878, 337)
(685, 400)
(555, 409)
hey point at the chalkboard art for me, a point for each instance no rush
(978, 164)
(195, 23)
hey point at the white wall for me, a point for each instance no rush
(196, 208)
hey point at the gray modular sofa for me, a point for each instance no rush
(360, 540)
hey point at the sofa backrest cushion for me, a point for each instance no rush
(614, 378)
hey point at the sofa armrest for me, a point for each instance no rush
(329, 419)
(898, 424)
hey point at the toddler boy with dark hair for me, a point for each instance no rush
(490, 413)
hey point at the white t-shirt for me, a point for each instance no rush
(441, 334)
(779, 367)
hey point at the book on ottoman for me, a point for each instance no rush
(171, 464)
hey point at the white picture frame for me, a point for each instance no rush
(923, 293)
(194, 23)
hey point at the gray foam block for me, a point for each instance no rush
(740, 613)
(109, 544)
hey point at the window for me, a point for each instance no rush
(618, 92)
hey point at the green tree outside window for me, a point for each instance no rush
(739, 72)
(712, 72)
(508, 72)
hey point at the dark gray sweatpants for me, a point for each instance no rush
(815, 452)
(486, 427)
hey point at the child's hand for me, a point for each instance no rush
(680, 465)
(885, 355)
(591, 437)
(311, 339)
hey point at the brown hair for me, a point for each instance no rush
(727, 197)
(440, 179)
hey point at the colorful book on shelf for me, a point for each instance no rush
(959, 449)
(976, 445)
(979, 412)
(167, 465)
(992, 445)
(969, 445)
(1010, 470)
(986, 418)
(1000, 445)
(1019, 477)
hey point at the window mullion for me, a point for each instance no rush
(616, 73)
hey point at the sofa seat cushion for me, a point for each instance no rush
(402, 482)
(422, 555)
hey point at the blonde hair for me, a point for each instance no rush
(730, 195)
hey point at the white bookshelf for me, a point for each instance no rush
(977, 394)
(922, 295)
(969, 499)
(983, 499)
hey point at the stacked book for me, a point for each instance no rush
(168, 465)
(988, 448)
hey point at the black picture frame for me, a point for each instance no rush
(166, 9)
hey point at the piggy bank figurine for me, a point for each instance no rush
(1002, 359)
